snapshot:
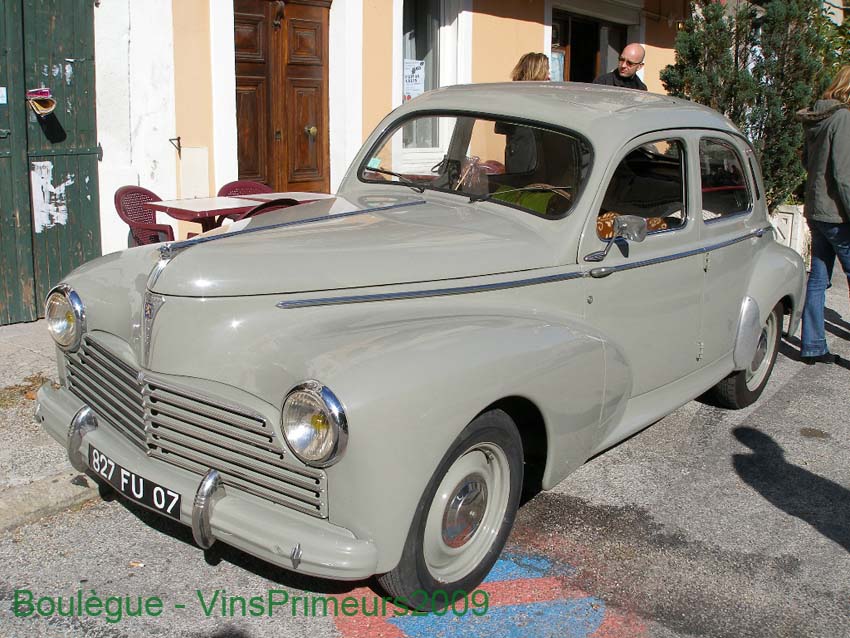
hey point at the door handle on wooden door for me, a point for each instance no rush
(280, 7)
(312, 131)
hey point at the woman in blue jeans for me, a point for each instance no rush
(826, 156)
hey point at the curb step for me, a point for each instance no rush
(47, 496)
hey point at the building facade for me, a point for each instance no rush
(183, 96)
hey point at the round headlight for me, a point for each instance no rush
(314, 425)
(65, 317)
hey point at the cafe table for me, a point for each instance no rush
(203, 210)
(296, 195)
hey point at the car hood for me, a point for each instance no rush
(332, 244)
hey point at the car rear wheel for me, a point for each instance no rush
(744, 387)
(464, 516)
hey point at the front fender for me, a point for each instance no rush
(413, 385)
(411, 375)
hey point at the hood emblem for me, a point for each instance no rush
(151, 307)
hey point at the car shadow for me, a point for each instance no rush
(221, 552)
(823, 504)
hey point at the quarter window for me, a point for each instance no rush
(649, 182)
(724, 182)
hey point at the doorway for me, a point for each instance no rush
(583, 44)
(282, 93)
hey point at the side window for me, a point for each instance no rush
(724, 182)
(650, 183)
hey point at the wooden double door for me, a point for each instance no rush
(282, 93)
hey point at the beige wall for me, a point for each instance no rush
(660, 42)
(377, 62)
(502, 30)
(193, 99)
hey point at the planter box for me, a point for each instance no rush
(792, 230)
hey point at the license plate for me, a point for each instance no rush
(136, 488)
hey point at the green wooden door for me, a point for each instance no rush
(49, 213)
(59, 54)
(17, 286)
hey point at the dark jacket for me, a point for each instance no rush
(826, 156)
(613, 79)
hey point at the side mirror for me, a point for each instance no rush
(628, 227)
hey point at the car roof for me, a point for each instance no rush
(588, 109)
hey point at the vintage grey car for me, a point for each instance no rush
(511, 279)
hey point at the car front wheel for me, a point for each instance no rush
(744, 387)
(464, 516)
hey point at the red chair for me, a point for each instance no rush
(243, 187)
(237, 188)
(130, 203)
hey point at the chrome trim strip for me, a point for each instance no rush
(437, 292)
(722, 218)
(758, 232)
(209, 491)
(518, 283)
(166, 255)
(174, 246)
(150, 308)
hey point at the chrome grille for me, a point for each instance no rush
(110, 387)
(195, 432)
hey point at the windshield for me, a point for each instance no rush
(515, 164)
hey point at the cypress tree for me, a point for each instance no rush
(758, 71)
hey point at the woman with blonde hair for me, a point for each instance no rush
(531, 67)
(522, 141)
(826, 156)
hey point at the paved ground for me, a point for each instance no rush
(709, 523)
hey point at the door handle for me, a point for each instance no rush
(312, 131)
(602, 271)
(4, 133)
(278, 14)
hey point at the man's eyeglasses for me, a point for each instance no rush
(629, 62)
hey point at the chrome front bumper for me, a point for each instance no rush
(271, 532)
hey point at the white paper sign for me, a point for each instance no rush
(2, 95)
(414, 78)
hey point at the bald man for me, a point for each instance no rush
(625, 75)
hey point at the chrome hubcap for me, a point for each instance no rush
(466, 514)
(761, 351)
(465, 511)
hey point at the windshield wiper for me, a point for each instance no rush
(530, 187)
(404, 180)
